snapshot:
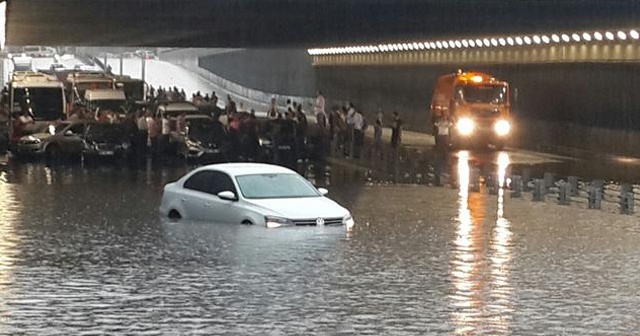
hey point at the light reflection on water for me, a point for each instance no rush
(473, 288)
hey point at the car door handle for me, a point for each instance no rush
(183, 199)
(208, 204)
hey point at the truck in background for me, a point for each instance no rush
(478, 106)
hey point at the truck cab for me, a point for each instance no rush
(477, 104)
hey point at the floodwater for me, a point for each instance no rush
(83, 252)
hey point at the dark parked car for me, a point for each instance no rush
(203, 139)
(103, 140)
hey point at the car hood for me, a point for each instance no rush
(299, 208)
(41, 136)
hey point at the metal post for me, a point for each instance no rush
(121, 64)
(549, 180)
(474, 180)
(539, 190)
(106, 61)
(516, 185)
(492, 184)
(144, 69)
(627, 199)
(595, 196)
(564, 194)
(526, 177)
(573, 182)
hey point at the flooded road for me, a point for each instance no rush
(83, 251)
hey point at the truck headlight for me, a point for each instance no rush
(502, 127)
(348, 222)
(275, 222)
(465, 126)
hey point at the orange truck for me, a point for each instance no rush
(477, 106)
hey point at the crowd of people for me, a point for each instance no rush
(342, 128)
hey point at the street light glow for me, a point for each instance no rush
(622, 35)
(597, 36)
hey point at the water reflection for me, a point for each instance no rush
(464, 263)
(8, 238)
(473, 283)
(501, 289)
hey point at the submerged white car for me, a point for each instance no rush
(251, 193)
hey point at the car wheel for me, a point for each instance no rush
(174, 214)
(52, 153)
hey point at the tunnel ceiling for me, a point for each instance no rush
(280, 23)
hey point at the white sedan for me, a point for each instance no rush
(251, 193)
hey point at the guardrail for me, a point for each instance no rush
(407, 165)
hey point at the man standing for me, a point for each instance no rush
(358, 133)
(320, 102)
(396, 130)
(273, 113)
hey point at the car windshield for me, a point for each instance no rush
(489, 94)
(44, 103)
(112, 105)
(206, 130)
(105, 132)
(264, 186)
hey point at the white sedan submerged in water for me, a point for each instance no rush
(251, 193)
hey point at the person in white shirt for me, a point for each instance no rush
(358, 133)
(320, 101)
(443, 124)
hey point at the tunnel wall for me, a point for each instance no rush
(279, 71)
(591, 105)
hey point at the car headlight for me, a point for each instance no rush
(30, 140)
(264, 142)
(191, 143)
(348, 222)
(125, 145)
(275, 222)
(502, 127)
(465, 126)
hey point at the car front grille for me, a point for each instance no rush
(314, 221)
(104, 146)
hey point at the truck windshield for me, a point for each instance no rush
(112, 105)
(488, 94)
(45, 104)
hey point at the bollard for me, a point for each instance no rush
(492, 183)
(539, 190)
(573, 182)
(526, 177)
(474, 180)
(627, 199)
(549, 180)
(595, 197)
(564, 194)
(516, 185)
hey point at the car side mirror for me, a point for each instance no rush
(68, 133)
(227, 196)
(323, 191)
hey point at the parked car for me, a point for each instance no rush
(251, 193)
(55, 142)
(102, 140)
(203, 139)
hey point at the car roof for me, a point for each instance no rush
(178, 106)
(236, 169)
